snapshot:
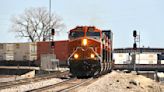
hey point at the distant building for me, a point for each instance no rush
(141, 56)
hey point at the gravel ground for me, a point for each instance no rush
(32, 85)
(7, 78)
(123, 82)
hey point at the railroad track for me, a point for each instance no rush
(35, 79)
(65, 86)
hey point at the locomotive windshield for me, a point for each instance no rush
(93, 33)
(76, 34)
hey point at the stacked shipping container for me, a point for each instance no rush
(25, 51)
(6, 52)
(143, 58)
(121, 58)
(18, 51)
(146, 58)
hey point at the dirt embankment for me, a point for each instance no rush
(123, 82)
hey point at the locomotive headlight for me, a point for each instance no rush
(92, 56)
(84, 42)
(76, 56)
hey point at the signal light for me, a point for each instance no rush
(52, 31)
(134, 46)
(134, 33)
(52, 44)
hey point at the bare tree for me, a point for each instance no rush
(36, 23)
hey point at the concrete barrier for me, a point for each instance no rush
(30, 74)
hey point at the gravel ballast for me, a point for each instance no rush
(123, 82)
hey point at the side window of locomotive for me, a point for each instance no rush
(95, 35)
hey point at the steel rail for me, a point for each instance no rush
(35, 79)
(65, 86)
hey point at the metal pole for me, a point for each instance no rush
(134, 56)
(139, 50)
(51, 38)
(49, 20)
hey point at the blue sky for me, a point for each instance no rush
(121, 16)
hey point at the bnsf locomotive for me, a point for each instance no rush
(90, 51)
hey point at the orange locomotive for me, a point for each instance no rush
(90, 51)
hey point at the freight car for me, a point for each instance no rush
(29, 53)
(23, 54)
(6, 52)
(25, 51)
(90, 51)
(60, 50)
